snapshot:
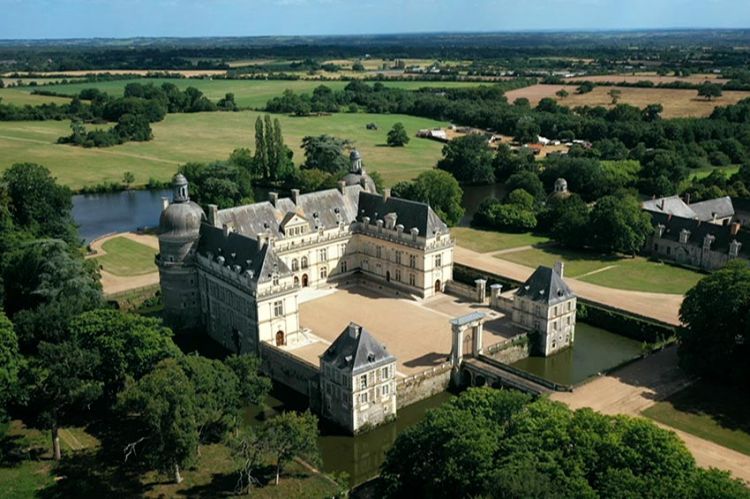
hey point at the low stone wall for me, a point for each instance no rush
(461, 290)
(422, 385)
(297, 374)
(511, 350)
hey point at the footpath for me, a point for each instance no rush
(113, 284)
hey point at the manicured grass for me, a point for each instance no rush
(705, 172)
(709, 411)
(125, 257)
(22, 96)
(487, 241)
(247, 93)
(636, 274)
(211, 136)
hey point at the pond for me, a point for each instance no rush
(473, 197)
(594, 351)
(361, 456)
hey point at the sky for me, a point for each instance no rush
(33, 19)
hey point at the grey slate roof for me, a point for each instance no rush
(408, 213)
(671, 205)
(545, 285)
(721, 207)
(263, 217)
(241, 250)
(356, 350)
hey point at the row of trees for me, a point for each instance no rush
(500, 443)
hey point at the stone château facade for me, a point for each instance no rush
(238, 272)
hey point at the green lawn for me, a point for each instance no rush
(125, 257)
(487, 241)
(210, 136)
(709, 411)
(700, 173)
(247, 93)
(636, 274)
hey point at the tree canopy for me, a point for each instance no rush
(397, 136)
(223, 184)
(469, 159)
(438, 188)
(326, 153)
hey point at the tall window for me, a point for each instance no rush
(278, 308)
(343, 266)
(323, 272)
(412, 280)
(385, 390)
(398, 275)
(438, 261)
(304, 262)
(323, 255)
(398, 257)
(412, 261)
(384, 373)
(379, 252)
(363, 382)
(295, 264)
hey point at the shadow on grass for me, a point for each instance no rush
(14, 450)
(726, 405)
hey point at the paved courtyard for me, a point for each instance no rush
(417, 333)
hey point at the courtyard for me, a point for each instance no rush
(418, 334)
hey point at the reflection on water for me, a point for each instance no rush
(594, 351)
(361, 456)
(473, 197)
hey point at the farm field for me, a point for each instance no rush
(635, 274)
(22, 96)
(713, 412)
(247, 93)
(678, 103)
(653, 77)
(210, 136)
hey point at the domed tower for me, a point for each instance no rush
(179, 231)
(357, 174)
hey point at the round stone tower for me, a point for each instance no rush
(179, 231)
(357, 174)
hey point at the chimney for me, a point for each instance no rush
(341, 185)
(386, 194)
(226, 230)
(295, 195)
(734, 228)
(354, 330)
(261, 237)
(559, 268)
(273, 197)
(213, 215)
(164, 203)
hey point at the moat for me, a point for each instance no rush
(360, 457)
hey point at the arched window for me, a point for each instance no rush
(304, 262)
(279, 338)
(295, 264)
(323, 272)
(296, 281)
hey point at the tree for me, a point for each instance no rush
(618, 224)
(562, 93)
(128, 345)
(500, 443)
(227, 103)
(568, 220)
(652, 112)
(397, 136)
(219, 183)
(325, 153)
(128, 178)
(248, 448)
(468, 159)
(527, 130)
(358, 66)
(709, 90)
(715, 339)
(163, 406)
(615, 95)
(271, 152)
(291, 435)
(45, 286)
(283, 167)
(585, 87)
(437, 188)
(261, 151)
(528, 181)
(10, 365)
(38, 203)
(61, 385)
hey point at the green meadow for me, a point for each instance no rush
(210, 136)
(247, 93)
(20, 96)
